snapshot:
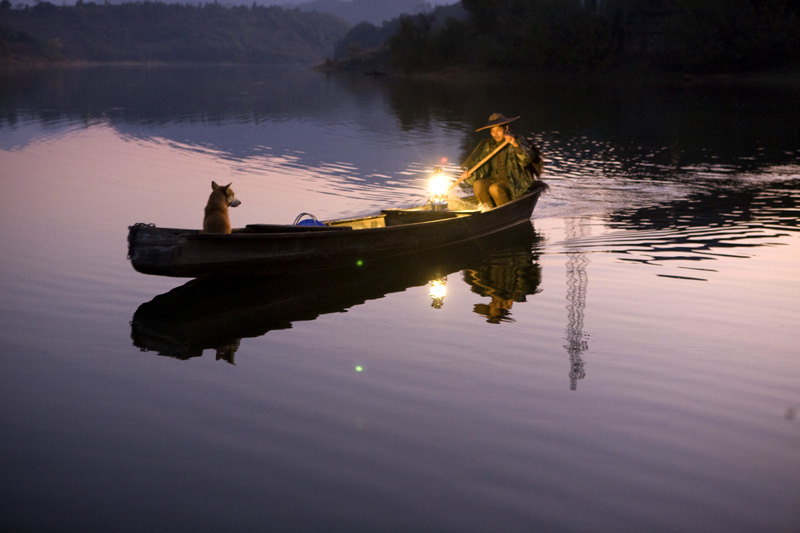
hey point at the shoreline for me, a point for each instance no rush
(786, 76)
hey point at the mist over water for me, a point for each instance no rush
(632, 354)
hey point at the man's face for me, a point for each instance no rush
(498, 132)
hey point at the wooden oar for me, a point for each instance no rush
(480, 164)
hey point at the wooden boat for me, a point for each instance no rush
(276, 249)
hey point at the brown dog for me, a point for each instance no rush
(216, 219)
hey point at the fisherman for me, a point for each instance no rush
(510, 172)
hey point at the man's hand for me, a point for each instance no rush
(464, 175)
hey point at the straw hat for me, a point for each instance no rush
(497, 119)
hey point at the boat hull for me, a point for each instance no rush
(269, 250)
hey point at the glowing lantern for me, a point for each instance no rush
(439, 188)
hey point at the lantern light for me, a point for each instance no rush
(439, 187)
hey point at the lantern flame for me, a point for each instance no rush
(439, 187)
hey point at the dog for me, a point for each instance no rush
(216, 218)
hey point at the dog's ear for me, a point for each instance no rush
(214, 186)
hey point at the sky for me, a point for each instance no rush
(261, 2)
(284, 2)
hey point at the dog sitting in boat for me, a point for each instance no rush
(216, 218)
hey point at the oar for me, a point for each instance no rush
(480, 164)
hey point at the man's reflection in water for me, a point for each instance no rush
(505, 279)
(226, 353)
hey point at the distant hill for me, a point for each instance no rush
(373, 11)
(366, 37)
(161, 32)
(353, 11)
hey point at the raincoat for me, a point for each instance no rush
(521, 166)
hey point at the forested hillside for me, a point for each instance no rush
(372, 11)
(581, 36)
(155, 31)
(485, 35)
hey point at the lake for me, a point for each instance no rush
(629, 360)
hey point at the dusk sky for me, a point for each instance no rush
(284, 2)
(263, 2)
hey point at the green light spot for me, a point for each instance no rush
(359, 263)
(359, 368)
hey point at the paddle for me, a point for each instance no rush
(479, 164)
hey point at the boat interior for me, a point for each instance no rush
(456, 207)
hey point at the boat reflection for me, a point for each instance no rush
(215, 314)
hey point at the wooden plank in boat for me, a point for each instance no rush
(396, 217)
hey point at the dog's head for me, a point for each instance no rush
(227, 192)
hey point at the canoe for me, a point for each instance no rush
(219, 313)
(284, 249)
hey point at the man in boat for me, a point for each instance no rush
(509, 172)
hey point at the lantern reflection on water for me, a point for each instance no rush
(438, 291)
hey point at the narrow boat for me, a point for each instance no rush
(288, 249)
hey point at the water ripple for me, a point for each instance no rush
(684, 248)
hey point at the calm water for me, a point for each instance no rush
(629, 360)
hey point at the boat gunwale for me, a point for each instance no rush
(331, 228)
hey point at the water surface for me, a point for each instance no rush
(629, 360)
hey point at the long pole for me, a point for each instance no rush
(480, 163)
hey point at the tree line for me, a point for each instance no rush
(157, 31)
(590, 35)
(549, 35)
